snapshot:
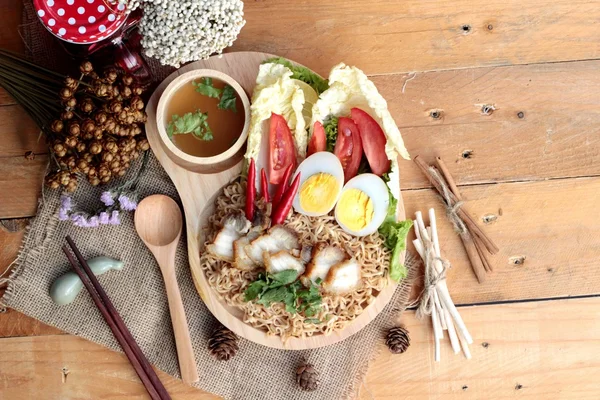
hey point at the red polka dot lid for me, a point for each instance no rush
(80, 21)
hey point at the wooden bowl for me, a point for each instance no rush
(205, 165)
(198, 192)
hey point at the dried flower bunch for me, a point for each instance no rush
(99, 131)
(176, 32)
(129, 5)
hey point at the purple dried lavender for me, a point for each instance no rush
(66, 205)
(79, 220)
(93, 222)
(114, 218)
(103, 218)
(126, 203)
(107, 199)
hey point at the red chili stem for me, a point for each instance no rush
(285, 205)
(283, 185)
(251, 191)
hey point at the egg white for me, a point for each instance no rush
(321, 162)
(374, 187)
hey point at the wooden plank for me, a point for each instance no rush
(15, 324)
(541, 350)
(5, 98)
(548, 234)
(20, 185)
(399, 36)
(37, 366)
(532, 345)
(557, 136)
(11, 18)
(19, 133)
(9, 35)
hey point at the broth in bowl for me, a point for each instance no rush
(204, 117)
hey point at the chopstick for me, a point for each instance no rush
(142, 367)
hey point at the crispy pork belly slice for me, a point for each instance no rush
(342, 278)
(281, 261)
(278, 238)
(234, 227)
(323, 258)
(222, 246)
(240, 258)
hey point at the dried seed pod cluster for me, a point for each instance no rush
(100, 130)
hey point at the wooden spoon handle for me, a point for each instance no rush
(185, 352)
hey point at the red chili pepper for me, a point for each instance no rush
(251, 191)
(281, 188)
(284, 206)
(264, 184)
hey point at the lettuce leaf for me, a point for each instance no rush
(275, 92)
(395, 233)
(331, 132)
(302, 74)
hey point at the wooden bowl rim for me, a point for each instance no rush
(167, 95)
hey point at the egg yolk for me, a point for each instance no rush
(355, 209)
(318, 193)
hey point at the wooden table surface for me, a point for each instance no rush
(530, 171)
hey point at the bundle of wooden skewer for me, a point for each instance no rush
(436, 300)
(474, 239)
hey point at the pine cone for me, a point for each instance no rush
(223, 344)
(398, 340)
(307, 377)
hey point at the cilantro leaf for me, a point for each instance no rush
(302, 74)
(285, 277)
(395, 234)
(205, 87)
(331, 132)
(283, 287)
(195, 123)
(277, 295)
(228, 99)
(254, 289)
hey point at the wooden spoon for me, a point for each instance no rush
(158, 221)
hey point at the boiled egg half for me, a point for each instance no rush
(363, 205)
(321, 181)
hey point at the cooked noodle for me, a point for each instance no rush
(337, 311)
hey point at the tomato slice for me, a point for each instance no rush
(348, 147)
(318, 140)
(373, 140)
(282, 152)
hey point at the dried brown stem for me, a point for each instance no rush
(465, 216)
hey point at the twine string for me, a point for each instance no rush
(432, 277)
(451, 210)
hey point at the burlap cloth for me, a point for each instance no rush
(256, 372)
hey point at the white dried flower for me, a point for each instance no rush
(176, 32)
(125, 6)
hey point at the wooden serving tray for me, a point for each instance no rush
(198, 192)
